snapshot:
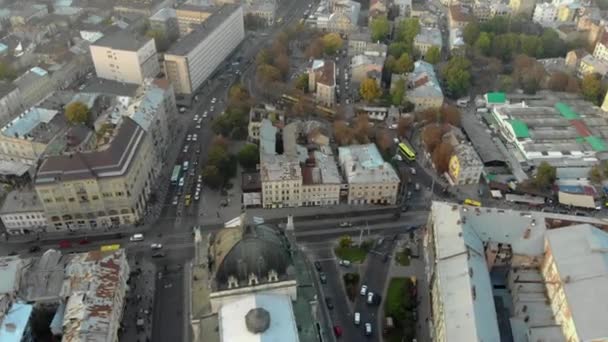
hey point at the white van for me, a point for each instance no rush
(185, 166)
(357, 318)
(137, 237)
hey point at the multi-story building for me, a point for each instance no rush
(322, 81)
(103, 188)
(11, 102)
(31, 135)
(545, 13)
(22, 213)
(404, 6)
(281, 181)
(34, 85)
(190, 17)
(257, 114)
(321, 181)
(424, 90)
(362, 67)
(357, 42)
(547, 263)
(426, 38)
(195, 57)
(574, 57)
(370, 179)
(601, 48)
(165, 21)
(378, 8)
(125, 58)
(263, 9)
(524, 7)
(95, 286)
(459, 16)
(590, 64)
(465, 167)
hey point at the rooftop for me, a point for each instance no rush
(324, 171)
(15, 323)
(186, 44)
(364, 164)
(325, 72)
(428, 35)
(38, 124)
(44, 277)
(6, 88)
(460, 13)
(113, 161)
(164, 14)
(29, 77)
(275, 168)
(108, 87)
(21, 201)
(10, 269)
(123, 40)
(423, 81)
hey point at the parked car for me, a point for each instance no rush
(34, 249)
(345, 224)
(84, 241)
(323, 278)
(137, 237)
(65, 244)
(363, 291)
(345, 263)
(337, 330)
(175, 200)
(318, 266)
(357, 318)
(370, 297)
(156, 246)
(329, 303)
(368, 329)
(158, 255)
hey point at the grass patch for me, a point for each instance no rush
(403, 257)
(351, 283)
(399, 305)
(352, 253)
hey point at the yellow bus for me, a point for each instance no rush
(109, 248)
(474, 203)
(407, 151)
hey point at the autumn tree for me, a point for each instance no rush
(332, 43)
(403, 64)
(370, 90)
(428, 115)
(267, 73)
(263, 57)
(383, 140)
(558, 81)
(441, 156)
(302, 82)
(343, 133)
(450, 114)
(545, 175)
(591, 88)
(281, 62)
(77, 113)
(315, 49)
(403, 125)
(361, 129)
(431, 136)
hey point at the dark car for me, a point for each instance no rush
(323, 277)
(84, 241)
(158, 255)
(376, 299)
(34, 249)
(65, 244)
(385, 258)
(318, 266)
(12, 253)
(329, 303)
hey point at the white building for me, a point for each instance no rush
(545, 13)
(22, 213)
(322, 81)
(194, 58)
(124, 58)
(370, 179)
(465, 167)
(601, 48)
(424, 90)
(404, 6)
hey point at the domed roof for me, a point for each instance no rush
(257, 320)
(260, 249)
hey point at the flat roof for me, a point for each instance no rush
(38, 124)
(185, 45)
(122, 40)
(21, 201)
(364, 164)
(15, 322)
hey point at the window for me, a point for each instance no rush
(95, 197)
(71, 199)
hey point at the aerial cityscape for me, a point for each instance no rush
(303, 170)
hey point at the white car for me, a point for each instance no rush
(200, 178)
(368, 329)
(198, 126)
(181, 182)
(175, 200)
(182, 109)
(345, 263)
(212, 108)
(370, 297)
(213, 100)
(363, 290)
(194, 137)
(156, 246)
(186, 148)
(189, 137)
(195, 118)
(357, 318)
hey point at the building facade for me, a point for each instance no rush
(545, 13)
(424, 90)
(105, 188)
(601, 49)
(426, 38)
(22, 213)
(165, 21)
(465, 167)
(11, 102)
(190, 17)
(124, 58)
(322, 81)
(193, 59)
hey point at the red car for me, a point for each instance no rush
(337, 330)
(65, 244)
(84, 241)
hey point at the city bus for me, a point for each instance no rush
(109, 248)
(407, 151)
(177, 170)
(474, 203)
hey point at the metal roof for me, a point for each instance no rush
(496, 97)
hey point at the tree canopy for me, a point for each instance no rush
(249, 156)
(370, 90)
(6, 72)
(332, 43)
(379, 28)
(591, 88)
(457, 76)
(433, 55)
(77, 112)
(545, 175)
(398, 93)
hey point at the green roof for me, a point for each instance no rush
(596, 143)
(566, 111)
(496, 97)
(520, 128)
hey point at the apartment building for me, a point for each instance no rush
(404, 6)
(322, 81)
(590, 64)
(321, 181)
(22, 213)
(362, 67)
(524, 7)
(11, 102)
(426, 38)
(370, 179)
(357, 41)
(545, 13)
(258, 114)
(459, 16)
(190, 17)
(263, 9)
(124, 57)
(601, 48)
(424, 90)
(165, 21)
(103, 188)
(32, 134)
(464, 166)
(193, 59)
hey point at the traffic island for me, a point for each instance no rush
(403, 256)
(351, 285)
(347, 250)
(400, 306)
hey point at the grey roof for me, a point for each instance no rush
(20, 201)
(185, 45)
(122, 40)
(108, 87)
(6, 88)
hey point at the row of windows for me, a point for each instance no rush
(24, 217)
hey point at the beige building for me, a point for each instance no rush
(357, 42)
(190, 17)
(195, 57)
(427, 38)
(601, 48)
(370, 179)
(22, 213)
(363, 67)
(104, 188)
(125, 58)
(322, 81)
(525, 7)
(424, 90)
(591, 65)
(281, 181)
(321, 181)
(459, 16)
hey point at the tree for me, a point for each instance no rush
(403, 125)
(212, 177)
(545, 175)
(403, 64)
(431, 136)
(361, 129)
(346, 241)
(552, 45)
(342, 133)
(441, 156)
(267, 73)
(397, 49)
(470, 33)
(383, 140)
(451, 115)
(407, 30)
(558, 81)
(379, 28)
(531, 45)
(77, 112)
(591, 88)
(302, 82)
(596, 175)
(457, 76)
(160, 39)
(281, 62)
(433, 55)
(263, 57)
(332, 43)
(315, 49)
(249, 156)
(505, 83)
(398, 92)
(6, 72)
(370, 90)
(483, 44)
